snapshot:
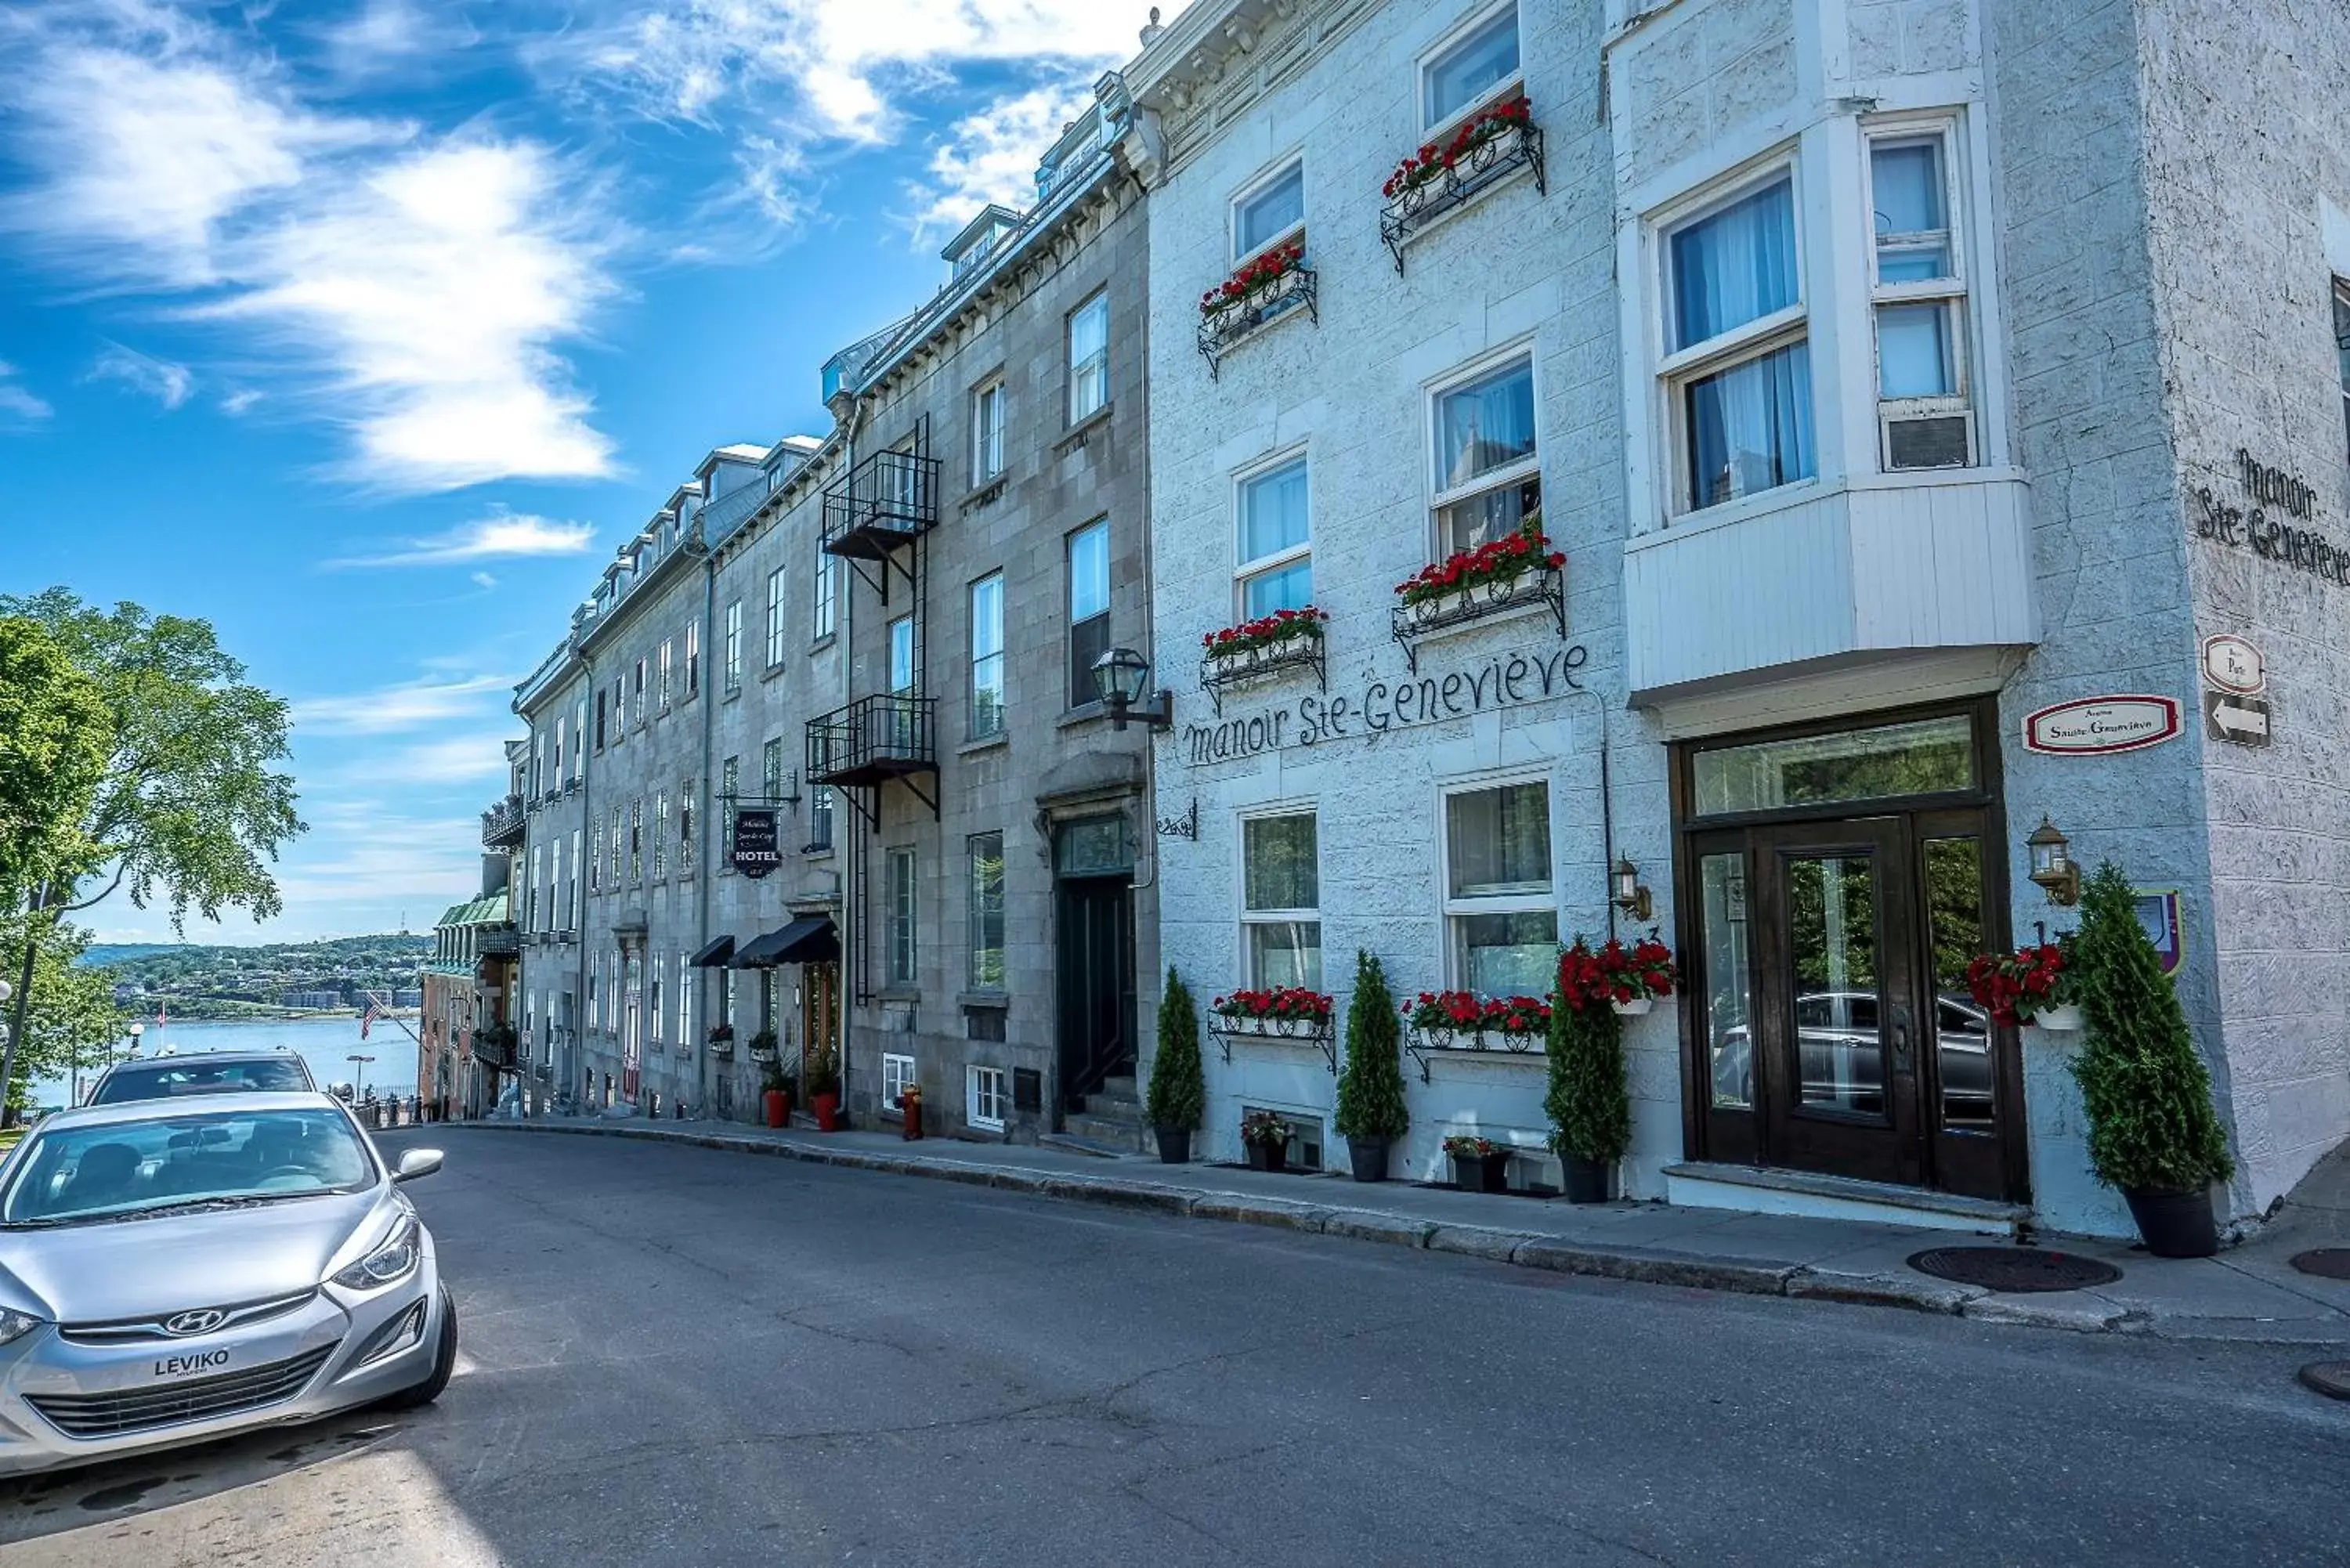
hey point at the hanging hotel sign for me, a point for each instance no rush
(756, 849)
(2274, 492)
(2233, 665)
(1504, 681)
(2095, 726)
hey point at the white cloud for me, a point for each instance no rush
(403, 707)
(499, 536)
(162, 379)
(240, 400)
(417, 285)
(454, 759)
(483, 580)
(15, 402)
(991, 156)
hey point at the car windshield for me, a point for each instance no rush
(122, 1169)
(169, 1080)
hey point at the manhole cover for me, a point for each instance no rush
(2326, 1262)
(2015, 1269)
(2331, 1379)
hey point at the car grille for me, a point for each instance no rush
(126, 1411)
(130, 1331)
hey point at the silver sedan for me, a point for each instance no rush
(173, 1272)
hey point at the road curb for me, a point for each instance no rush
(1691, 1271)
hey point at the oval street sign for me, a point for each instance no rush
(2093, 726)
(2232, 664)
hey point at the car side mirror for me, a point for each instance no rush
(417, 1162)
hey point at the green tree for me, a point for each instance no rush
(191, 807)
(1370, 1091)
(55, 735)
(2144, 1088)
(1178, 1096)
(72, 1020)
(1590, 1110)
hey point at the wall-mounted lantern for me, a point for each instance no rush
(1630, 896)
(1122, 676)
(2052, 864)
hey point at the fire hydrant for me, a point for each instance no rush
(909, 1101)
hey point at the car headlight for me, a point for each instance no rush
(394, 1261)
(16, 1325)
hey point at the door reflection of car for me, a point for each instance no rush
(1839, 1045)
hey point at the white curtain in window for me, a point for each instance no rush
(1273, 512)
(1486, 425)
(1736, 265)
(1750, 428)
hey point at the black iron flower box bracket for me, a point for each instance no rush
(1412, 625)
(1220, 670)
(1223, 1030)
(1485, 166)
(1424, 1044)
(1224, 330)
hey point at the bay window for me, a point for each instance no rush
(1738, 359)
(1499, 909)
(1488, 473)
(1276, 547)
(1919, 297)
(1281, 920)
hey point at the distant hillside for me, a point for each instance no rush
(98, 955)
(204, 980)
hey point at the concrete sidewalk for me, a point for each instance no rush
(2248, 1293)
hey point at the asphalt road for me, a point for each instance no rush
(674, 1356)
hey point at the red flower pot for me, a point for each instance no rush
(778, 1107)
(827, 1112)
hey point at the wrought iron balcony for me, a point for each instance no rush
(503, 824)
(888, 500)
(500, 941)
(495, 1046)
(1226, 327)
(874, 740)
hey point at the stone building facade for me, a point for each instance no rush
(1888, 372)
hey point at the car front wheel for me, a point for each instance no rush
(444, 1362)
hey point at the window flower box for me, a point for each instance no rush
(1283, 1013)
(1462, 1024)
(1487, 149)
(1262, 290)
(1285, 640)
(1470, 585)
(721, 1040)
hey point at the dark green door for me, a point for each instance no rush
(1094, 960)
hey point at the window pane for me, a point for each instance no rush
(1832, 957)
(1508, 955)
(1736, 265)
(901, 655)
(1285, 952)
(987, 911)
(1728, 985)
(1907, 178)
(1489, 515)
(1285, 588)
(987, 656)
(1927, 756)
(1750, 427)
(1954, 906)
(1486, 425)
(1089, 330)
(901, 917)
(1913, 351)
(1463, 72)
(1089, 572)
(1274, 210)
(1088, 641)
(1277, 856)
(1089, 358)
(1273, 515)
(1499, 841)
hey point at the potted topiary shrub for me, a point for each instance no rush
(1178, 1096)
(1372, 1114)
(1590, 1113)
(2153, 1132)
(823, 1072)
(1478, 1163)
(1266, 1136)
(775, 1093)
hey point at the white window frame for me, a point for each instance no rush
(1095, 368)
(571, 901)
(668, 671)
(1677, 369)
(983, 1090)
(1290, 917)
(901, 922)
(1259, 185)
(971, 912)
(1953, 293)
(897, 1071)
(1454, 909)
(986, 438)
(735, 648)
(685, 1002)
(729, 786)
(997, 657)
(692, 660)
(1439, 498)
(686, 798)
(824, 616)
(821, 816)
(1243, 571)
(778, 587)
(638, 708)
(660, 835)
(1432, 130)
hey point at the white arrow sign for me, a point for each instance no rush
(2243, 719)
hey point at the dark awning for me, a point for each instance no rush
(716, 954)
(811, 939)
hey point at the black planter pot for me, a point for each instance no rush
(1490, 1174)
(2175, 1224)
(1369, 1156)
(1273, 1157)
(1174, 1144)
(1587, 1179)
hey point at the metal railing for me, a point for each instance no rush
(872, 739)
(501, 824)
(885, 500)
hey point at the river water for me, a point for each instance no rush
(325, 1043)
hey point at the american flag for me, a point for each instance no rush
(367, 1018)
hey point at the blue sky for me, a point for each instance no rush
(368, 329)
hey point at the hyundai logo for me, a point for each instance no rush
(202, 1321)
